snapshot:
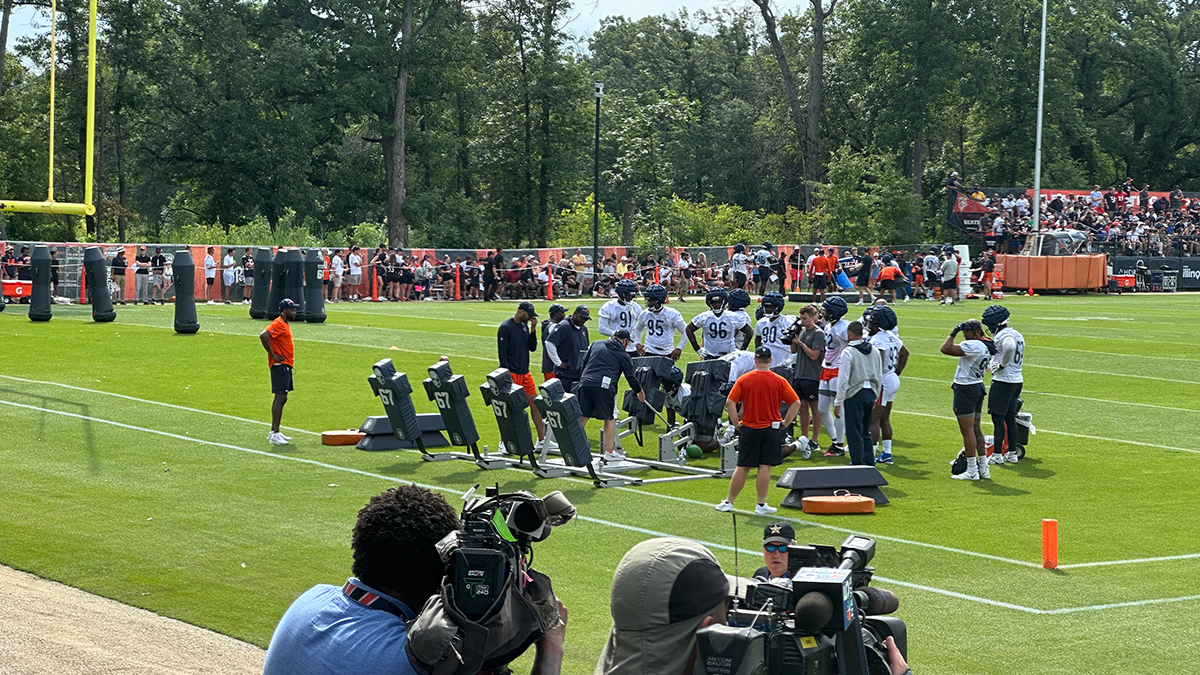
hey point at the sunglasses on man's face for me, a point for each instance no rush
(775, 548)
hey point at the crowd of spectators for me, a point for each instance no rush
(1122, 220)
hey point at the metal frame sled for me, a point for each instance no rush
(560, 410)
(395, 393)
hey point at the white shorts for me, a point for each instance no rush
(891, 384)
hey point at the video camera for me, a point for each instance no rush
(822, 618)
(492, 604)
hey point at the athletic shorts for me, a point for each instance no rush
(281, 379)
(968, 399)
(1004, 398)
(863, 282)
(210, 280)
(596, 402)
(818, 282)
(739, 279)
(757, 447)
(891, 384)
(949, 285)
(829, 383)
(526, 382)
(248, 281)
(930, 281)
(806, 389)
(355, 279)
(888, 284)
(547, 376)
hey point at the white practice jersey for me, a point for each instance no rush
(663, 330)
(614, 316)
(762, 257)
(1010, 352)
(720, 331)
(973, 362)
(739, 262)
(836, 340)
(770, 331)
(888, 343)
(740, 363)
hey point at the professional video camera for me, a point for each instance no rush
(492, 604)
(822, 618)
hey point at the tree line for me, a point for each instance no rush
(440, 123)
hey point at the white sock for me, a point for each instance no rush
(887, 446)
(971, 465)
(841, 430)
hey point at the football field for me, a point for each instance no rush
(136, 466)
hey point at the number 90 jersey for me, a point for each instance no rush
(770, 331)
(614, 316)
(720, 331)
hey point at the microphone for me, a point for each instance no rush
(813, 610)
(876, 601)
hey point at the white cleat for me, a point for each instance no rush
(967, 475)
(277, 439)
(724, 506)
(1011, 457)
(996, 458)
(764, 509)
(985, 471)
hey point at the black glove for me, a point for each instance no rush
(956, 331)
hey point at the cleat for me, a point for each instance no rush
(764, 509)
(996, 458)
(277, 439)
(984, 471)
(806, 448)
(835, 450)
(724, 506)
(1011, 457)
(966, 475)
(884, 458)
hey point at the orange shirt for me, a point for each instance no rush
(759, 392)
(281, 341)
(822, 265)
(889, 272)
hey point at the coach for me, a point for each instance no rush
(860, 381)
(760, 431)
(515, 340)
(566, 346)
(602, 368)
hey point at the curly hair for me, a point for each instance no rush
(393, 540)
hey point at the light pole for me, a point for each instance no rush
(599, 93)
(1037, 153)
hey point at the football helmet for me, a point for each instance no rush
(994, 317)
(739, 248)
(716, 299)
(882, 317)
(655, 296)
(626, 289)
(833, 308)
(772, 303)
(739, 299)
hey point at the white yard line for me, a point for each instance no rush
(1131, 561)
(1081, 398)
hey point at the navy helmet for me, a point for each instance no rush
(882, 317)
(773, 303)
(834, 308)
(655, 296)
(739, 248)
(716, 299)
(994, 317)
(739, 299)
(626, 289)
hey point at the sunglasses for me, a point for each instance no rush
(775, 548)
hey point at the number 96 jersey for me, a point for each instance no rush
(720, 331)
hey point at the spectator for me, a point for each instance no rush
(141, 278)
(354, 280)
(228, 277)
(55, 269)
(210, 275)
(8, 263)
(118, 275)
(248, 274)
(158, 263)
(336, 267)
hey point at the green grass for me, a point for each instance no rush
(205, 532)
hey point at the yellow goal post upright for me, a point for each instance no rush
(87, 208)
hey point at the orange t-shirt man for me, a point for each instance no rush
(277, 340)
(760, 392)
(280, 332)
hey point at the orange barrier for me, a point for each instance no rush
(1054, 272)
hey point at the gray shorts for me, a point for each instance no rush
(354, 279)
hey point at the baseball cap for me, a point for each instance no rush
(286, 303)
(528, 308)
(622, 334)
(779, 533)
(762, 353)
(662, 590)
(584, 311)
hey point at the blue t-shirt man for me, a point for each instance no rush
(325, 632)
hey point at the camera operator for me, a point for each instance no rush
(776, 539)
(361, 627)
(664, 590)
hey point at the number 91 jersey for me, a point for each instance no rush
(720, 331)
(614, 316)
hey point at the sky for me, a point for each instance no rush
(585, 17)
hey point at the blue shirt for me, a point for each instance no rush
(326, 633)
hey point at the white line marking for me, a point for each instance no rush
(165, 405)
(1081, 398)
(1077, 370)
(1131, 561)
(599, 521)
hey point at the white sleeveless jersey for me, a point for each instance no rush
(890, 345)
(720, 331)
(1010, 352)
(973, 362)
(614, 316)
(770, 331)
(740, 363)
(836, 340)
(660, 330)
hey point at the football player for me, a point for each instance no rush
(832, 311)
(881, 322)
(739, 300)
(557, 314)
(621, 313)
(739, 266)
(654, 331)
(719, 326)
(771, 327)
(1004, 398)
(973, 355)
